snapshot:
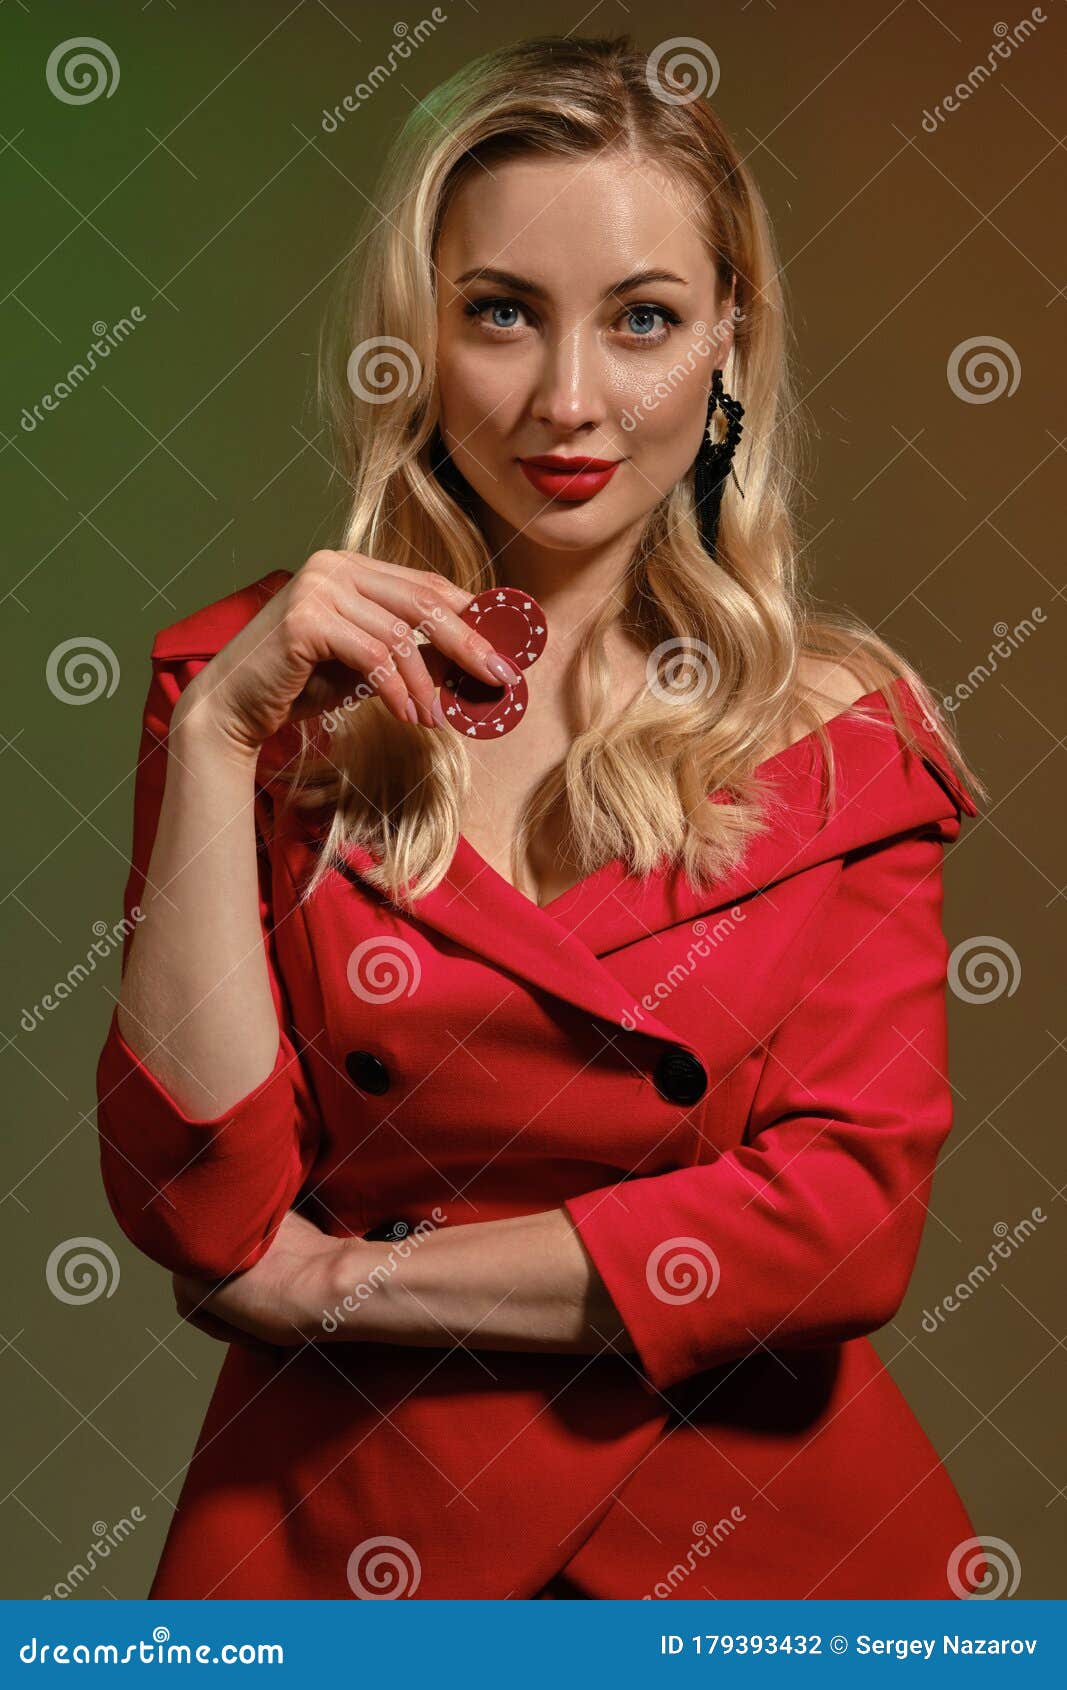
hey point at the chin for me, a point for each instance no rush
(563, 531)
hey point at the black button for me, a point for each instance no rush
(680, 1078)
(367, 1071)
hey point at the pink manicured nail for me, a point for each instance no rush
(502, 669)
(410, 712)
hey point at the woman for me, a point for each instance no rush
(607, 1065)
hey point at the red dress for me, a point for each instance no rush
(738, 1094)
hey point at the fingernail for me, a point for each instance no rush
(502, 669)
(410, 712)
(438, 714)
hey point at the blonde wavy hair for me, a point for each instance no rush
(633, 788)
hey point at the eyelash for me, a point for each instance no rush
(475, 308)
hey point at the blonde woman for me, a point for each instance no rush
(544, 1120)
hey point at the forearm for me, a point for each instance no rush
(195, 1002)
(525, 1283)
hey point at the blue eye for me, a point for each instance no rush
(504, 305)
(479, 308)
(645, 311)
(486, 309)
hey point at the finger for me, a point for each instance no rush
(396, 633)
(424, 608)
(370, 655)
(453, 595)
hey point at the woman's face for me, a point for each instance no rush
(595, 338)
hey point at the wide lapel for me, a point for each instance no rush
(881, 791)
(564, 948)
(486, 915)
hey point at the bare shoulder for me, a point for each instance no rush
(828, 687)
(833, 686)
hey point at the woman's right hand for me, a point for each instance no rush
(344, 622)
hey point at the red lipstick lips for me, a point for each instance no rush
(569, 478)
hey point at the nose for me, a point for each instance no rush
(571, 389)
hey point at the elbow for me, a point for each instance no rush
(862, 1287)
(200, 1198)
(192, 1242)
(884, 1300)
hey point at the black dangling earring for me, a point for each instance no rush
(714, 462)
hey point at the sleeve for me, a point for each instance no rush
(807, 1232)
(200, 1197)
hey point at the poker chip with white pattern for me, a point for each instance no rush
(514, 625)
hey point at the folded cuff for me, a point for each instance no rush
(200, 1196)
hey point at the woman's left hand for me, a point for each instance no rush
(281, 1300)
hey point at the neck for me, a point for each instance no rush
(571, 585)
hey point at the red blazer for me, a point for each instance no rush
(739, 1096)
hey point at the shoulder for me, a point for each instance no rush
(828, 686)
(205, 631)
(825, 688)
(831, 689)
(184, 647)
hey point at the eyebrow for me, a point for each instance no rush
(522, 284)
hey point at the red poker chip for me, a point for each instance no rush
(514, 624)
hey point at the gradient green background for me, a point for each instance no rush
(205, 191)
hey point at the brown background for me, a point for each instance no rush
(205, 191)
